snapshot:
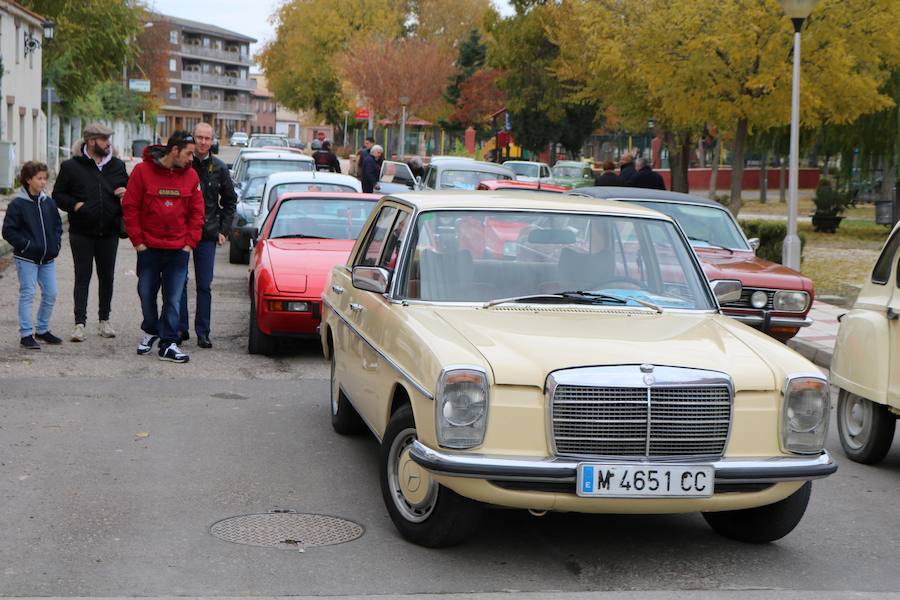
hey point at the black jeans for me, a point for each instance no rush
(86, 250)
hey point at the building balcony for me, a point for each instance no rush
(218, 80)
(215, 54)
(210, 105)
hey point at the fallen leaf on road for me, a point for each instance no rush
(141, 434)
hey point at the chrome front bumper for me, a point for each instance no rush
(564, 470)
(767, 321)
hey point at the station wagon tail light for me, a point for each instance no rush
(805, 414)
(791, 301)
(461, 407)
(282, 306)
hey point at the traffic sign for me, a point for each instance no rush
(361, 113)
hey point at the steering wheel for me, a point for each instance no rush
(626, 280)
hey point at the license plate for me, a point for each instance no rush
(645, 480)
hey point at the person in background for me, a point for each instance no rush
(646, 177)
(626, 168)
(325, 159)
(89, 187)
(367, 145)
(371, 168)
(219, 200)
(33, 228)
(164, 214)
(608, 176)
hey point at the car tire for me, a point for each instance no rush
(441, 517)
(865, 428)
(257, 341)
(762, 524)
(344, 418)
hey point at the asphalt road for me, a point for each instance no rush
(114, 466)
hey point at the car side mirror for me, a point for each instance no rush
(371, 279)
(727, 290)
(754, 243)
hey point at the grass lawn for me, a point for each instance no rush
(805, 208)
(838, 263)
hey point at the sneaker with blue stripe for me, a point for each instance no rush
(173, 353)
(146, 344)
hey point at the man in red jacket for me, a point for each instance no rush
(163, 212)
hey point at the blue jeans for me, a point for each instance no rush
(167, 269)
(204, 261)
(45, 276)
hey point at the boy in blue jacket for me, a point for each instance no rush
(33, 228)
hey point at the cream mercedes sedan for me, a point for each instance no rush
(530, 351)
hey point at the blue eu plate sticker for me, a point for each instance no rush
(587, 479)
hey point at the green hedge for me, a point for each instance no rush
(771, 236)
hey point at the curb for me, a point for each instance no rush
(820, 355)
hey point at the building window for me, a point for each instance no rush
(206, 42)
(173, 65)
(19, 42)
(173, 93)
(173, 37)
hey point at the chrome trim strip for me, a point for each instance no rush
(773, 321)
(533, 469)
(419, 387)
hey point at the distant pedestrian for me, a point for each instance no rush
(164, 217)
(646, 177)
(219, 200)
(626, 168)
(33, 228)
(371, 168)
(326, 160)
(608, 176)
(89, 187)
(367, 145)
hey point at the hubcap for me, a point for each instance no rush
(856, 415)
(412, 488)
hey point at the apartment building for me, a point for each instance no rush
(208, 78)
(263, 105)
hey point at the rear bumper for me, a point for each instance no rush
(565, 470)
(291, 324)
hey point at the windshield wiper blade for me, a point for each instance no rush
(603, 296)
(301, 235)
(710, 244)
(520, 298)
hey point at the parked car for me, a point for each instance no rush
(494, 382)
(239, 138)
(440, 174)
(864, 366)
(260, 140)
(528, 170)
(248, 199)
(250, 165)
(296, 143)
(774, 299)
(572, 174)
(279, 184)
(514, 184)
(305, 236)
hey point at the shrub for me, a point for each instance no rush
(771, 236)
(830, 199)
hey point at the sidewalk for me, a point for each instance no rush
(816, 342)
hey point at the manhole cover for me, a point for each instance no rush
(286, 530)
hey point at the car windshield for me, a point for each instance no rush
(326, 218)
(258, 142)
(255, 168)
(254, 190)
(567, 171)
(705, 226)
(523, 169)
(309, 186)
(483, 255)
(467, 180)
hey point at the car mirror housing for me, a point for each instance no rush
(754, 243)
(727, 290)
(371, 279)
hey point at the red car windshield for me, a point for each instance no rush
(324, 218)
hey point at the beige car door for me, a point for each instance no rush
(893, 316)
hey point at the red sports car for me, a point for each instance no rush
(302, 238)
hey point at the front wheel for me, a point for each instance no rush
(762, 524)
(257, 341)
(866, 428)
(424, 512)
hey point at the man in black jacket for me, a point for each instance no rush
(89, 187)
(325, 159)
(646, 177)
(220, 200)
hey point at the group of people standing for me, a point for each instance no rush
(179, 201)
(632, 173)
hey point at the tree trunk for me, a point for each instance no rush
(764, 177)
(680, 146)
(737, 166)
(782, 178)
(714, 175)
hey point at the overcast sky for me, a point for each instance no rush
(250, 17)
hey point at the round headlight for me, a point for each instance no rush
(806, 410)
(759, 299)
(464, 404)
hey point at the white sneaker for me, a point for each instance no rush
(77, 333)
(104, 329)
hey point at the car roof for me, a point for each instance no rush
(467, 164)
(519, 200)
(310, 176)
(571, 163)
(334, 195)
(630, 193)
(268, 155)
(523, 162)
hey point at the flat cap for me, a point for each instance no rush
(95, 130)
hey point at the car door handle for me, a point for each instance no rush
(356, 307)
(337, 289)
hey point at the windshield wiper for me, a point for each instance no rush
(710, 244)
(301, 235)
(577, 297)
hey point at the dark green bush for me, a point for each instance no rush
(831, 199)
(771, 236)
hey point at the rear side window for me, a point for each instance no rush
(881, 274)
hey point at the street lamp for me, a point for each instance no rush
(346, 114)
(797, 11)
(404, 100)
(48, 27)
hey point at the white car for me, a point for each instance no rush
(301, 181)
(239, 138)
(527, 170)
